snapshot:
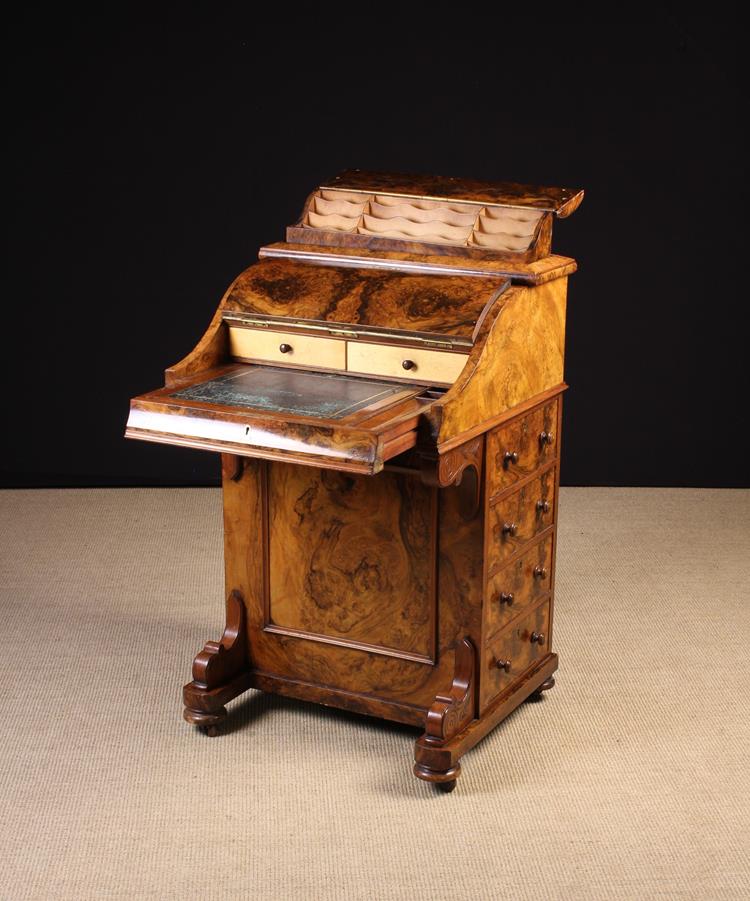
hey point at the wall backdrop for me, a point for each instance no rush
(149, 162)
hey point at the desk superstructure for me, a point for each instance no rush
(384, 388)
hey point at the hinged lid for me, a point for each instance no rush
(433, 215)
(560, 201)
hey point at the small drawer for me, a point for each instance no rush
(520, 516)
(405, 362)
(517, 586)
(515, 450)
(287, 347)
(525, 641)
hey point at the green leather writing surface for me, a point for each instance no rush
(323, 395)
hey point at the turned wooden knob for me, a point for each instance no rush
(537, 638)
(285, 348)
(540, 572)
(505, 597)
(509, 457)
(409, 364)
(510, 528)
(546, 438)
(503, 665)
(542, 506)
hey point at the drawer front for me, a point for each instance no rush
(525, 641)
(287, 347)
(388, 360)
(520, 516)
(515, 450)
(518, 585)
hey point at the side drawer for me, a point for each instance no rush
(517, 586)
(405, 362)
(515, 450)
(507, 657)
(520, 516)
(287, 347)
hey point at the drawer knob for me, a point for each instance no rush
(503, 665)
(509, 457)
(542, 506)
(510, 528)
(409, 364)
(505, 597)
(540, 572)
(537, 638)
(546, 438)
(285, 348)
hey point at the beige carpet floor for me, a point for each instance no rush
(630, 780)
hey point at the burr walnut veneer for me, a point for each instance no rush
(385, 388)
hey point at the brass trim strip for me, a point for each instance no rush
(345, 330)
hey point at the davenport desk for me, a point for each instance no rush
(384, 388)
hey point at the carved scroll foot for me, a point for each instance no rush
(545, 686)
(436, 755)
(219, 672)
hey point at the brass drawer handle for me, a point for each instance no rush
(505, 597)
(540, 572)
(409, 364)
(285, 348)
(510, 528)
(503, 665)
(543, 506)
(546, 438)
(537, 638)
(509, 457)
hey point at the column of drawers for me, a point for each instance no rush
(522, 476)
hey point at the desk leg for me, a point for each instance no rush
(446, 718)
(220, 671)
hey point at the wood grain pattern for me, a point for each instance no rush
(537, 272)
(518, 517)
(518, 354)
(561, 201)
(507, 657)
(366, 674)
(352, 558)
(517, 586)
(360, 442)
(424, 592)
(297, 234)
(450, 305)
(515, 450)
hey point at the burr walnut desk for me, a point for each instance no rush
(384, 388)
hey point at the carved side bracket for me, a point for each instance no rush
(446, 718)
(449, 468)
(220, 671)
(219, 661)
(450, 713)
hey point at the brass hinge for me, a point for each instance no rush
(343, 333)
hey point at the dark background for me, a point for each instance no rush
(150, 159)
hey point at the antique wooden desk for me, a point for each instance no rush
(385, 392)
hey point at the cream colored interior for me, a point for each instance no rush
(313, 352)
(502, 228)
